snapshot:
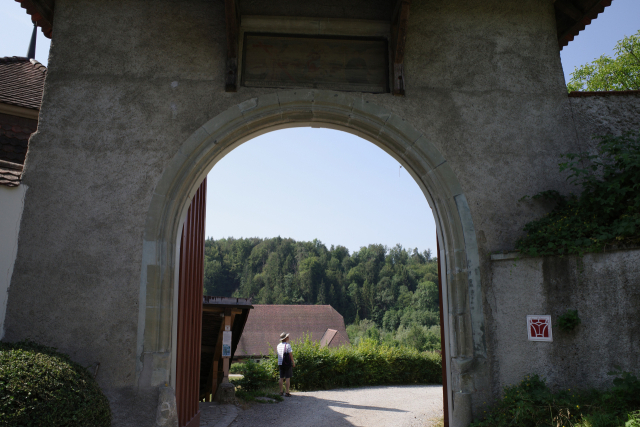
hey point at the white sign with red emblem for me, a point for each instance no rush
(539, 328)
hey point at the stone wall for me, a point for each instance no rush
(130, 81)
(603, 115)
(603, 287)
(11, 204)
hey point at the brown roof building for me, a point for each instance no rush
(21, 87)
(267, 322)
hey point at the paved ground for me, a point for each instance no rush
(215, 415)
(401, 406)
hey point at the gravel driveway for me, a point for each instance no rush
(398, 406)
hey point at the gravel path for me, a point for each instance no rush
(399, 406)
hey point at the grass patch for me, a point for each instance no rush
(250, 396)
(438, 422)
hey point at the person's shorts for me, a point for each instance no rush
(286, 371)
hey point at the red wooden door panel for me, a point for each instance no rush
(445, 393)
(190, 311)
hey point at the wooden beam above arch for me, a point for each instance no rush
(232, 18)
(399, 25)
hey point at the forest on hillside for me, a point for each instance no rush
(385, 294)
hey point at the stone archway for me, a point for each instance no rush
(467, 368)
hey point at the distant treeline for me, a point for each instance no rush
(393, 288)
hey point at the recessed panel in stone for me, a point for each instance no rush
(337, 63)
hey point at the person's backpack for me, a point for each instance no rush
(286, 358)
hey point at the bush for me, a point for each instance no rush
(256, 376)
(568, 321)
(368, 363)
(532, 404)
(236, 368)
(41, 387)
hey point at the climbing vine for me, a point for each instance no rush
(606, 213)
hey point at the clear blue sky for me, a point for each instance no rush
(316, 183)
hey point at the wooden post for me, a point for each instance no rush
(214, 381)
(225, 360)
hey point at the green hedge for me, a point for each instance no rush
(41, 387)
(368, 363)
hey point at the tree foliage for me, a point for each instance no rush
(606, 213)
(393, 289)
(605, 73)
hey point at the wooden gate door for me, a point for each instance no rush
(190, 285)
(445, 393)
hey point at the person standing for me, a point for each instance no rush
(285, 362)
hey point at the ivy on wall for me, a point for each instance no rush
(607, 211)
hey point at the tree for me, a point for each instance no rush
(605, 73)
(389, 289)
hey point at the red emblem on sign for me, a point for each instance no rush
(539, 328)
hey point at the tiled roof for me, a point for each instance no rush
(333, 338)
(267, 322)
(327, 337)
(14, 137)
(10, 174)
(573, 17)
(21, 82)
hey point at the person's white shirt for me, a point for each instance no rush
(281, 350)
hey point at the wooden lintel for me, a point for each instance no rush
(398, 39)
(217, 309)
(569, 9)
(233, 29)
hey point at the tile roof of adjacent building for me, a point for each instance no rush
(21, 82)
(333, 338)
(14, 137)
(267, 322)
(10, 174)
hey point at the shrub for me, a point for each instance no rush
(634, 419)
(41, 387)
(368, 363)
(255, 376)
(626, 388)
(236, 368)
(531, 404)
(568, 321)
(606, 213)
